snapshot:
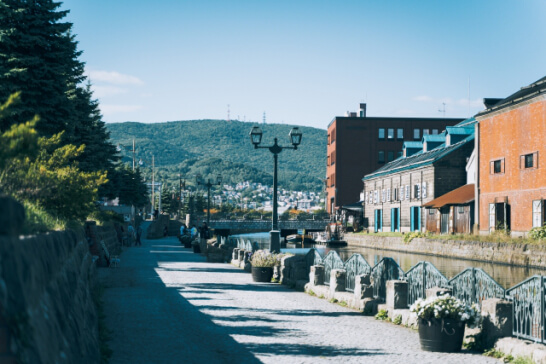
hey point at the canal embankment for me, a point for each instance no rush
(523, 255)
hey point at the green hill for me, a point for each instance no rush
(212, 147)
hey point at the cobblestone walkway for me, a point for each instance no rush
(165, 304)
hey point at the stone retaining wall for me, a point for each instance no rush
(47, 312)
(525, 255)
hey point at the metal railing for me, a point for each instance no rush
(422, 276)
(356, 265)
(312, 258)
(473, 285)
(528, 309)
(331, 261)
(386, 270)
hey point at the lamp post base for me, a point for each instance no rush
(275, 246)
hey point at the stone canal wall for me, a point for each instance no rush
(47, 312)
(525, 255)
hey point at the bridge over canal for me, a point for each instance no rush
(287, 227)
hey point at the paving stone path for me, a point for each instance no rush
(165, 304)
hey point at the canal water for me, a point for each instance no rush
(506, 275)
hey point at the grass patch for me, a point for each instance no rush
(342, 303)
(333, 300)
(37, 220)
(311, 293)
(382, 315)
(397, 320)
(321, 296)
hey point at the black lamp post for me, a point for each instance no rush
(295, 139)
(209, 184)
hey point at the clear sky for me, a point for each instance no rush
(305, 62)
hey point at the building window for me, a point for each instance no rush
(381, 156)
(529, 160)
(407, 192)
(417, 191)
(381, 134)
(426, 132)
(395, 194)
(538, 213)
(388, 195)
(390, 156)
(497, 166)
(434, 131)
(460, 209)
(400, 134)
(416, 134)
(431, 211)
(390, 134)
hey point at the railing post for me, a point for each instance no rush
(542, 307)
(473, 290)
(424, 279)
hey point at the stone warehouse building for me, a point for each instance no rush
(433, 166)
(510, 140)
(358, 145)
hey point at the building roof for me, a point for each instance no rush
(416, 160)
(459, 196)
(434, 137)
(525, 93)
(412, 145)
(357, 206)
(465, 130)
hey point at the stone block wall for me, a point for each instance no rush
(47, 312)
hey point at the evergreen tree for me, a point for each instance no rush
(39, 57)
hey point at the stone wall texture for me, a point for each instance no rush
(47, 312)
(525, 255)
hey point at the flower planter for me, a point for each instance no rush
(445, 335)
(262, 274)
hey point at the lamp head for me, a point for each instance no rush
(256, 136)
(295, 136)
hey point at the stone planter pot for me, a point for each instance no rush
(262, 274)
(445, 335)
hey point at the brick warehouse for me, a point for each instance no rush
(394, 194)
(512, 179)
(358, 145)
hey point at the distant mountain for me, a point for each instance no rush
(212, 147)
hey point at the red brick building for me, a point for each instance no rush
(358, 145)
(511, 184)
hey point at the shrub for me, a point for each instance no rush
(263, 258)
(447, 307)
(538, 233)
(397, 320)
(382, 315)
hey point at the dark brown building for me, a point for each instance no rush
(358, 145)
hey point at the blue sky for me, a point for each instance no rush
(305, 62)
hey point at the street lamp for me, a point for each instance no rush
(208, 184)
(141, 162)
(256, 139)
(119, 149)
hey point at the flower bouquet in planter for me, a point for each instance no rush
(262, 262)
(442, 321)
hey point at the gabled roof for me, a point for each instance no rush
(434, 137)
(525, 93)
(459, 196)
(412, 145)
(417, 160)
(460, 130)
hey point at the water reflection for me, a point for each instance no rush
(506, 275)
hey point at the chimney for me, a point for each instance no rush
(362, 113)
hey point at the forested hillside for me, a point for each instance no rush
(212, 147)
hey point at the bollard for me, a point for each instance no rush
(397, 295)
(316, 275)
(337, 281)
(497, 320)
(363, 287)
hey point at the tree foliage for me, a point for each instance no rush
(40, 170)
(212, 147)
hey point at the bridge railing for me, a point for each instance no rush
(356, 265)
(331, 261)
(528, 308)
(421, 277)
(386, 270)
(473, 285)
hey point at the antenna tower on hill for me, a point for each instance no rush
(228, 112)
(443, 109)
(263, 120)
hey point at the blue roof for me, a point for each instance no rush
(460, 130)
(412, 145)
(434, 138)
